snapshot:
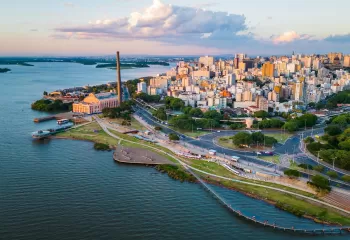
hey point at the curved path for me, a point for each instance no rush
(330, 230)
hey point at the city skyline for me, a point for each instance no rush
(167, 27)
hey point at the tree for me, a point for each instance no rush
(292, 173)
(332, 174)
(196, 112)
(320, 182)
(312, 104)
(242, 138)
(309, 140)
(186, 110)
(160, 113)
(291, 126)
(333, 130)
(308, 119)
(45, 93)
(261, 114)
(173, 137)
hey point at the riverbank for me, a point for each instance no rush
(287, 202)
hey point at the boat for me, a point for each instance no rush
(41, 134)
(45, 133)
(62, 121)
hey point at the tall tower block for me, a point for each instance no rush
(119, 81)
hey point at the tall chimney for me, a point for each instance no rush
(119, 81)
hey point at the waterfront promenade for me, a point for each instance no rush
(324, 230)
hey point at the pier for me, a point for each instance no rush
(75, 117)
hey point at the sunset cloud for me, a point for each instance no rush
(163, 21)
(290, 36)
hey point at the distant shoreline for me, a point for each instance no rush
(4, 70)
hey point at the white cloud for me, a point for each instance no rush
(163, 21)
(290, 36)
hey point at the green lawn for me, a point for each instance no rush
(280, 137)
(291, 201)
(226, 142)
(91, 132)
(134, 123)
(273, 159)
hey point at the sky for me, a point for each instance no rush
(173, 27)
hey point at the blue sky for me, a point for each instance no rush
(78, 27)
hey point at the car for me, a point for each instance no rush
(258, 153)
(218, 131)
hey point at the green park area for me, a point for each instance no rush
(280, 137)
(133, 123)
(93, 132)
(284, 201)
(273, 159)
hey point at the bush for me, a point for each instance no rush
(346, 178)
(292, 173)
(309, 140)
(173, 137)
(306, 166)
(101, 147)
(320, 182)
(319, 168)
(332, 174)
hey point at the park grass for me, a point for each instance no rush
(226, 142)
(272, 159)
(134, 123)
(280, 137)
(90, 132)
(292, 203)
(93, 132)
(211, 167)
(214, 168)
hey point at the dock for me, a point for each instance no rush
(75, 117)
(139, 156)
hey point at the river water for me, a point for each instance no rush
(63, 189)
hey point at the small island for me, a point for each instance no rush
(3, 70)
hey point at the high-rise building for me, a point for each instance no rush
(142, 87)
(268, 69)
(346, 62)
(230, 79)
(186, 81)
(332, 56)
(235, 63)
(242, 66)
(241, 56)
(206, 61)
(262, 103)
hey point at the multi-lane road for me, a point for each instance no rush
(291, 146)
